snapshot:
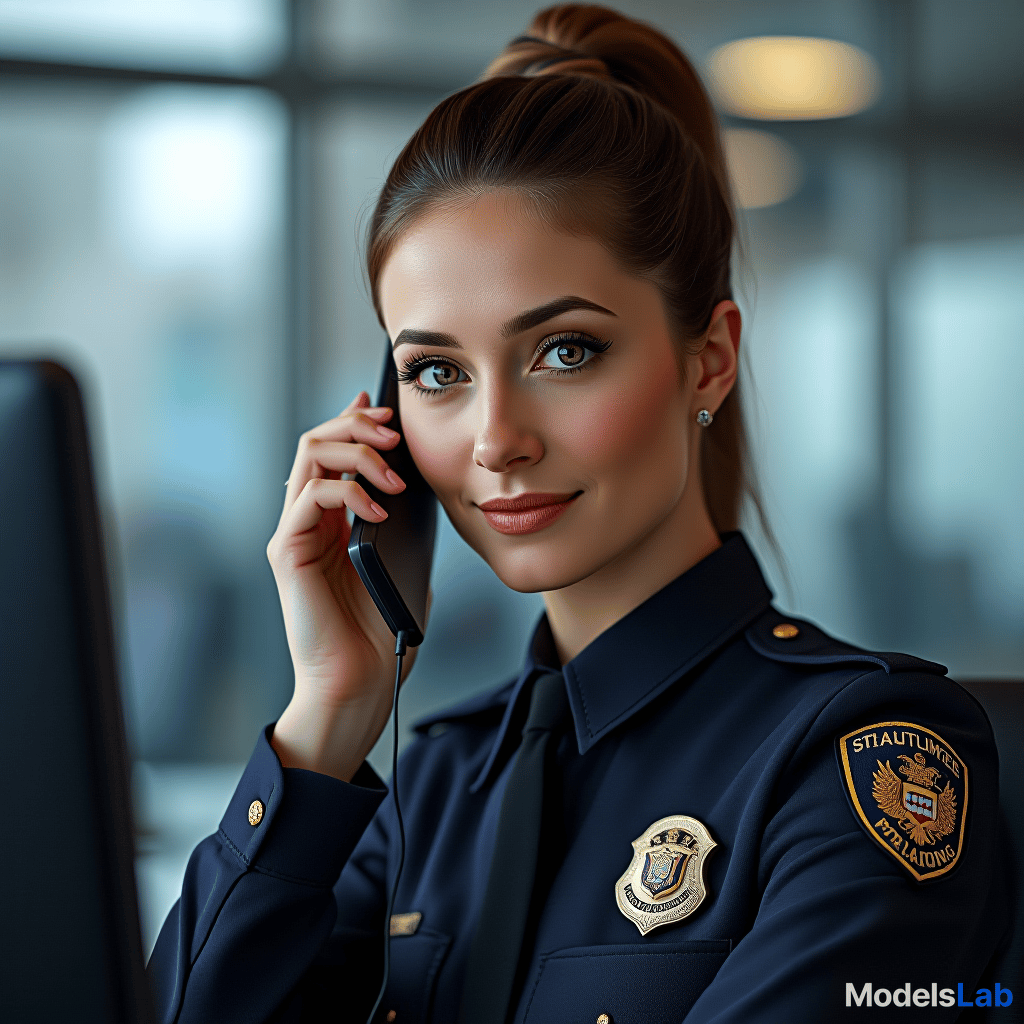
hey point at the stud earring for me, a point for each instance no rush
(704, 418)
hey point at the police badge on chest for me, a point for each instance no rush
(665, 879)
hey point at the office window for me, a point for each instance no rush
(225, 35)
(142, 245)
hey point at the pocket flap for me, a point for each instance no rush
(649, 984)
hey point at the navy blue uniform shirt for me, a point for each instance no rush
(852, 797)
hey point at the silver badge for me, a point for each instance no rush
(665, 880)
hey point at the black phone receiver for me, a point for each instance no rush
(394, 557)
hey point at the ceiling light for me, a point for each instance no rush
(793, 78)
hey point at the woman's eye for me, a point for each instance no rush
(566, 355)
(436, 376)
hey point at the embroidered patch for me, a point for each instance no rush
(908, 787)
(665, 879)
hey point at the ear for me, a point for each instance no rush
(718, 362)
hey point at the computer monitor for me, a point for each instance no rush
(70, 944)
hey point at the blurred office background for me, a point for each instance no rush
(182, 188)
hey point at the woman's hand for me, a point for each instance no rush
(342, 650)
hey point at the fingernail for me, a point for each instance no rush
(377, 510)
(394, 478)
(386, 431)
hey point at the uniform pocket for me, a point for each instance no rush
(650, 984)
(415, 961)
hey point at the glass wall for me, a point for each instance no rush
(224, 35)
(142, 246)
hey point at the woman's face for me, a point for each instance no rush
(532, 367)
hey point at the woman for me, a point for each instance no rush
(685, 806)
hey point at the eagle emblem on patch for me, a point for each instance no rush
(665, 879)
(908, 788)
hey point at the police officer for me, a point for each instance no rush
(687, 805)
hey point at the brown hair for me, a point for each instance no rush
(601, 125)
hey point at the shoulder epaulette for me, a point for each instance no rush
(799, 642)
(488, 704)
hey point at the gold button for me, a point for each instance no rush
(255, 812)
(604, 1019)
(785, 631)
(392, 1015)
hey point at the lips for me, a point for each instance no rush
(526, 513)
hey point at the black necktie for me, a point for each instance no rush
(494, 955)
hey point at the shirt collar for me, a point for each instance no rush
(645, 652)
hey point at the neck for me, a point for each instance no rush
(579, 613)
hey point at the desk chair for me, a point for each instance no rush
(1003, 700)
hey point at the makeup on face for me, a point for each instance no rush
(540, 393)
(527, 513)
(564, 352)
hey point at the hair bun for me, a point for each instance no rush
(530, 55)
(597, 42)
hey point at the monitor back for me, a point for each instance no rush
(70, 945)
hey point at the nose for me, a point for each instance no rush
(505, 439)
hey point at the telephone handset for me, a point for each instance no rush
(394, 557)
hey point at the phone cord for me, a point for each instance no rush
(400, 645)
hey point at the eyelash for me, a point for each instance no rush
(413, 367)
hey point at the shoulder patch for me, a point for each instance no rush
(908, 789)
(799, 642)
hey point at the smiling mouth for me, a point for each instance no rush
(527, 513)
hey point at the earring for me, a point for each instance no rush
(704, 418)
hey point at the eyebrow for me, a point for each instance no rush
(510, 328)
